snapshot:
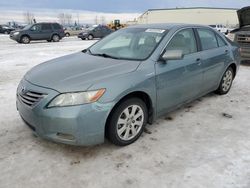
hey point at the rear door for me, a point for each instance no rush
(179, 80)
(215, 54)
(46, 31)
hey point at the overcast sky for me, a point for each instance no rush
(118, 5)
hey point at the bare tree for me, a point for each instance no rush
(96, 20)
(103, 20)
(68, 18)
(29, 17)
(65, 19)
(61, 18)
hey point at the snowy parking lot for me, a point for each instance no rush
(204, 144)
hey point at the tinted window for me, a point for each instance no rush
(208, 39)
(183, 40)
(57, 26)
(46, 27)
(36, 27)
(221, 42)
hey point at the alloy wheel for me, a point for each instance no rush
(130, 122)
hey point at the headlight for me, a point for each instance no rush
(77, 98)
(231, 36)
(16, 33)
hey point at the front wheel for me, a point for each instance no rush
(25, 40)
(226, 82)
(127, 122)
(90, 37)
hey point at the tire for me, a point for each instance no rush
(48, 40)
(226, 82)
(83, 38)
(67, 34)
(25, 39)
(132, 115)
(90, 37)
(55, 38)
(6, 32)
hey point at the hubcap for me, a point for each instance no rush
(56, 38)
(25, 40)
(227, 81)
(130, 122)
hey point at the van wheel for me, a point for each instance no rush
(226, 82)
(55, 38)
(90, 37)
(25, 40)
(127, 122)
(67, 34)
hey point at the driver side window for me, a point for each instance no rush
(36, 27)
(184, 41)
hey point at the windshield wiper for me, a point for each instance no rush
(106, 55)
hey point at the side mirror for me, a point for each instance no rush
(172, 55)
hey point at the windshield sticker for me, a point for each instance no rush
(155, 30)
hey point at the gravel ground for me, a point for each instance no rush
(204, 144)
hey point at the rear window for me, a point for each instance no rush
(56, 26)
(221, 42)
(46, 27)
(208, 39)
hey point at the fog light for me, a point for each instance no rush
(65, 136)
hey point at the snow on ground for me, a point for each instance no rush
(195, 146)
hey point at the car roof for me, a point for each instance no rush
(167, 25)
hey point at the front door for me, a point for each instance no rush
(36, 32)
(179, 80)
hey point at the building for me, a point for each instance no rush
(197, 15)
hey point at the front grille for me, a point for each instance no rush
(30, 98)
(243, 38)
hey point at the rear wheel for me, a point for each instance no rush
(90, 37)
(127, 122)
(226, 82)
(67, 34)
(55, 38)
(25, 40)
(6, 32)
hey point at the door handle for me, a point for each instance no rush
(226, 51)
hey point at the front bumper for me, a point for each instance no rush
(75, 125)
(245, 53)
(82, 36)
(15, 37)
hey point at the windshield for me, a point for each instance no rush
(27, 27)
(90, 28)
(130, 43)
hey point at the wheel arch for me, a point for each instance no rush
(234, 67)
(135, 94)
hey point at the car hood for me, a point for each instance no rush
(77, 72)
(244, 16)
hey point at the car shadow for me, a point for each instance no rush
(245, 63)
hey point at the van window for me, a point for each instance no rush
(207, 38)
(46, 27)
(56, 26)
